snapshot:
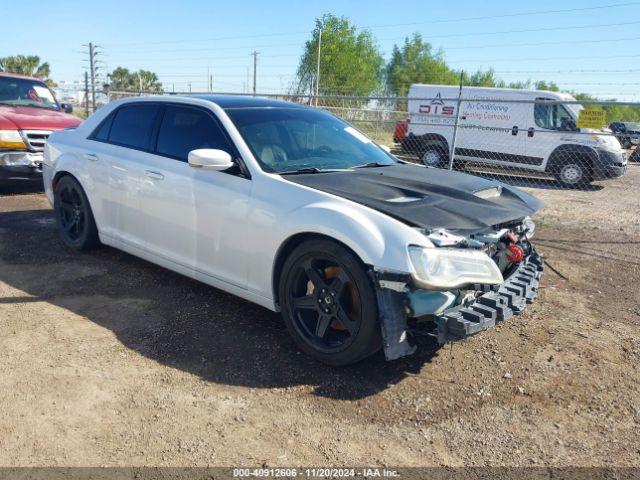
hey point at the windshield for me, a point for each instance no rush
(25, 92)
(632, 126)
(289, 139)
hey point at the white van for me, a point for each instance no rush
(531, 135)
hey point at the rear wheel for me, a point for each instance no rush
(435, 156)
(329, 304)
(74, 218)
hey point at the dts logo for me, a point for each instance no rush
(437, 107)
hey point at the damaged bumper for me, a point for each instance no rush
(20, 164)
(497, 303)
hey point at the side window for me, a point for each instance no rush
(102, 132)
(184, 129)
(133, 125)
(551, 116)
(543, 115)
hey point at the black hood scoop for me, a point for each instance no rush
(427, 197)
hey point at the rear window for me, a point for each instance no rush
(184, 129)
(133, 125)
(102, 132)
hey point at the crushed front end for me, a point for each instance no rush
(502, 261)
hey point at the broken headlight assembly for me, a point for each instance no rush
(451, 268)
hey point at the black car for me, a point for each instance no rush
(627, 132)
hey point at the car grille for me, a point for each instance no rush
(35, 139)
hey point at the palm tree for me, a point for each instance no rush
(26, 65)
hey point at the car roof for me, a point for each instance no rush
(243, 101)
(17, 75)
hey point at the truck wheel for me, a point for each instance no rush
(573, 173)
(74, 218)
(329, 303)
(435, 156)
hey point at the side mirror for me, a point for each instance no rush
(66, 107)
(385, 148)
(210, 158)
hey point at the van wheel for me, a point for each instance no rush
(435, 156)
(573, 173)
(329, 304)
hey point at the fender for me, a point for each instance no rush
(568, 151)
(419, 143)
(70, 163)
(381, 244)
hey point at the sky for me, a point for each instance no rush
(582, 45)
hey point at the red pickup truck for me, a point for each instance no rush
(29, 112)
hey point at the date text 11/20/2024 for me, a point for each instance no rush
(316, 472)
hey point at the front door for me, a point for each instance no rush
(549, 128)
(194, 217)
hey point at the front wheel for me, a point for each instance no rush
(74, 218)
(573, 174)
(329, 304)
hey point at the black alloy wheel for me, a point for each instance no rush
(74, 218)
(329, 304)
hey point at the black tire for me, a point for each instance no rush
(435, 156)
(74, 218)
(329, 304)
(573, 173)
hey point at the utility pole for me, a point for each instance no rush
(255, 68)
(318, 64)
(92, 69)
(92, 72)
(86, 93)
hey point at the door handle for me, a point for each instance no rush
(530, 132)
(154, 175)
(91, 157)
(514, 130)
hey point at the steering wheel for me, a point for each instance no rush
(324, 149)
(279, 153)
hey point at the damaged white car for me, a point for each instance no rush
(291, 208)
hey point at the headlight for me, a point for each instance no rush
(447, 268)
(11, 139)
(529, 227)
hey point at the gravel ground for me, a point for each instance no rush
(109, 360)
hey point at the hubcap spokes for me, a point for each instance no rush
(325, 312)
(71, 213)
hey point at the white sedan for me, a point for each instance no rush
(292, 208)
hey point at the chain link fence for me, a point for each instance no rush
(528, 138)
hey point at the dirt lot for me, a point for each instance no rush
(108, 360)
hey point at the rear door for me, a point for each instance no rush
(129, 145)
(194, 217)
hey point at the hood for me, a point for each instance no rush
(33, 118)
(427, 197)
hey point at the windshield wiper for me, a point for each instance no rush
(305, 170)
(373, 165)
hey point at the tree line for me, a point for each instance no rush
(351, 63)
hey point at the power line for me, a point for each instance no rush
(508, 15)
(530, 30)
(449, 20)
(540, 44)
(528, 59)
